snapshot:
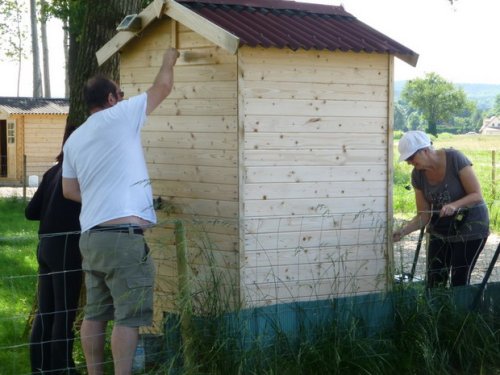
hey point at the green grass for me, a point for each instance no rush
(479, 150)
(18, 243)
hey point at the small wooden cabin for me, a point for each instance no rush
(275, 144)
(31, 127)
(491, 126)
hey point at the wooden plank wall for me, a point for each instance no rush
(190, 144)
(43, 136)
(314, 166)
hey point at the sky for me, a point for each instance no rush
(459, 42)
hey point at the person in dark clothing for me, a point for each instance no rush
(59, 275)
(449, 204)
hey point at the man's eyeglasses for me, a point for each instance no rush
(121, 94)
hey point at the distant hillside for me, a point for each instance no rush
(483, 94)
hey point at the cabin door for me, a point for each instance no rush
(8, 148)
(3, 148)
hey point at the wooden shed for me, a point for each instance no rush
(275, 146)
(31, 128)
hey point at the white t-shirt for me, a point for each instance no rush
(105, 155)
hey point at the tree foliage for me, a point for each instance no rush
(90, 24)
(496, 106)
(436, 99)
(13, 33)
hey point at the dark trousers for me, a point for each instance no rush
(59, 284)
(457, 258)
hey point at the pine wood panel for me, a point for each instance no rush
(195, 190)
(314, 272)
(194, 223)
(300, 91)
(192, 157)
(311, 157)
(326, 222)
(197, 107)
(315, 141)
(309, 74)
(190, 39)
(209, 140)
(300, 207)
(313, 255)
(187, 73)
(206, 124)
(186, 173)
(325, 124)
(314, 239)
(356, 173)
(189, 90)
(204, 207)
(283, 291)
(315, 108)
(312, 58)
(314, 190)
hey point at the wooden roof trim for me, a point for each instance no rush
(202, 26)
(179, 13)
(148, 15)
(409, 59)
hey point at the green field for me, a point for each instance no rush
(480, 149)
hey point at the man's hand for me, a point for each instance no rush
(170, 57)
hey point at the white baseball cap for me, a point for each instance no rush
(411, 142)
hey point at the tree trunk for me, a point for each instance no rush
(66, 58)
(37, 75)
(45, 50)
(99, 26)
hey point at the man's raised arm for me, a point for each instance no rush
(164, 81)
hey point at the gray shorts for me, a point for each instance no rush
(119, 276)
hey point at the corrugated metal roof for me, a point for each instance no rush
(295, 25)
(34, 106)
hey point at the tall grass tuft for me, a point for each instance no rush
(435, 335)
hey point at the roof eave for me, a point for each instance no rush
(115, 44)
(409, 59)
(177, 12)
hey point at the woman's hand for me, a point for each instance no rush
(447, 210)
(398, 235)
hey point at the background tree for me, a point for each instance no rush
(496, 107)
(87, 35)
(13, 33)
(399, 117)
(436, 99)
(37, 73)
(45, 49)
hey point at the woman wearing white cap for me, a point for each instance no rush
(449, 202)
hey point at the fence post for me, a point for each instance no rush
(186, 309)
(493, 174)
(25, 174)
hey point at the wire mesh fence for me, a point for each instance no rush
(289, 260)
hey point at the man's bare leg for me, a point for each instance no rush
(123, 345)
(93, 337)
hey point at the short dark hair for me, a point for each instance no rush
(97, 90)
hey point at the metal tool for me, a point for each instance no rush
(486, 277)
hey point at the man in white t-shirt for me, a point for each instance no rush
(104, 169)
